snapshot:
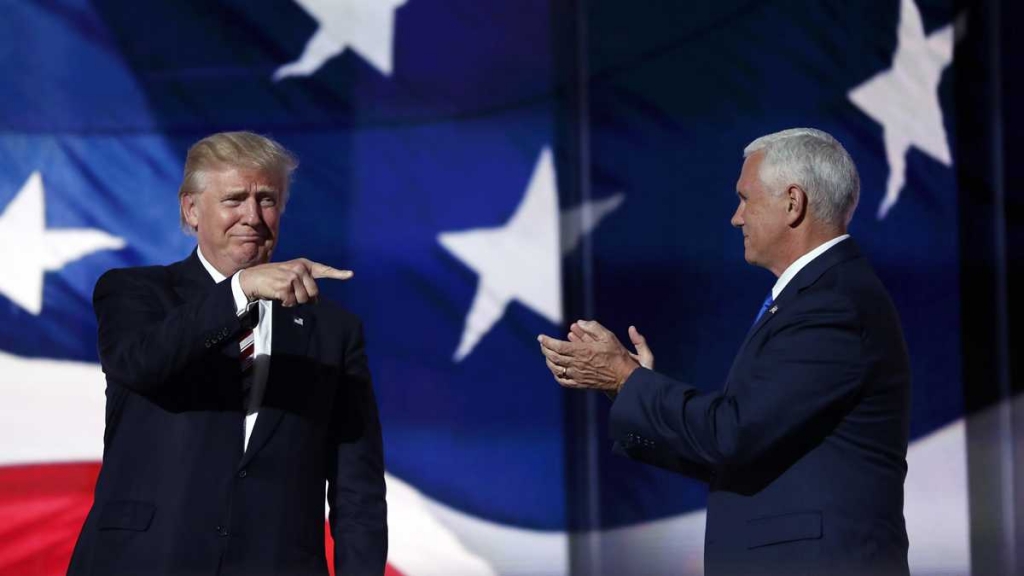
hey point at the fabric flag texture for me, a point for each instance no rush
(435, 163)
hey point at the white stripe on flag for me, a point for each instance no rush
(50, 410)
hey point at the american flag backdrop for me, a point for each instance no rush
(434, 163)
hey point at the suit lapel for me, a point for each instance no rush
(808, 275)
(190, 280)
(761, 322)
(289, 342)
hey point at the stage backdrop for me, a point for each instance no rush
(432, 140)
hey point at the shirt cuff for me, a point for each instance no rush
(242, 304)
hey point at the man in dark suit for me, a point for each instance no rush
(234, 394)
(804, 448)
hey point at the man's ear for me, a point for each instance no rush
(796, 205)
(190, 210)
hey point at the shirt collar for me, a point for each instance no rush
(800, 262)
(217, 276)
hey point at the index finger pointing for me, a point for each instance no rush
(324, 271)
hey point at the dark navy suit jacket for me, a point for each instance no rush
(805, 447)
(175, 494)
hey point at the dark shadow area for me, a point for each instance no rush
(990, 143)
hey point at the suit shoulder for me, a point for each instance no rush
(848, 279)
(120, 278)
(854, 286)
(825, 297)
(858, 281)
(135, 274)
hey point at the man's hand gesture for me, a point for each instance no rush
(593, 357)
(291, 283)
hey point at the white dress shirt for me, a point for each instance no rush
(802, 261)
(261, 346)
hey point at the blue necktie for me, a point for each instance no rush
(768, 302)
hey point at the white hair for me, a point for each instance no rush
(816, 162)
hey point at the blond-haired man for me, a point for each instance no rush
(235, 396)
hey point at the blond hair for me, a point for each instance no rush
(226, 150)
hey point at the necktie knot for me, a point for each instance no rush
(765, 306)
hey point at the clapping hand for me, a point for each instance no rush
(593, 357)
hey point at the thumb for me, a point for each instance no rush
(643, 352)
(637, 338)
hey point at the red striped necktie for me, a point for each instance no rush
(247, 349)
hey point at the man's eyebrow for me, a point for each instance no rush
(235, 192)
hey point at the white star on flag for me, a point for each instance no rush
(905, 101)
(522, 260)
(365, 26)
(32, 250)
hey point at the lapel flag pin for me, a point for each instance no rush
(298, 321)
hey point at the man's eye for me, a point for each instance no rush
(231, 202)
(268, 202)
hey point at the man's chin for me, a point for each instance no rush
(249, 257)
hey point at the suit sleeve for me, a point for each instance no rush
(142, 343)
(808, 373)
(355, 491)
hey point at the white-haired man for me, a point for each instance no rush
(234, 395)
(805, 446)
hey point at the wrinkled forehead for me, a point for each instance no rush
(233, 179)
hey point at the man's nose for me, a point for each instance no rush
(737, 219)
(252, 215)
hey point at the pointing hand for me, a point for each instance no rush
(291, 283)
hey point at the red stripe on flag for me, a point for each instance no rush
(42, 508)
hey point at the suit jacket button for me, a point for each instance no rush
(222, 531)
(242, 474)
